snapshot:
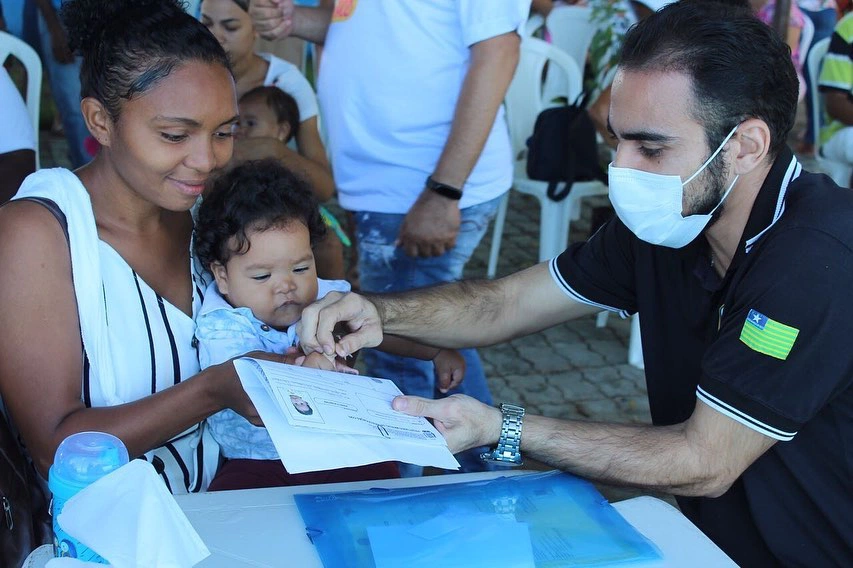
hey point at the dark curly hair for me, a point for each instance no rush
(731, 82)
(282, 104)
(254, 196)
(128, 46)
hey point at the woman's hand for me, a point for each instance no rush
(230, 391)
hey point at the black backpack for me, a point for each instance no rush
(563, 149)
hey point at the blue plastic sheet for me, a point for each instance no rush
(547, 520)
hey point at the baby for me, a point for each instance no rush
(269, 112)
(255, 231)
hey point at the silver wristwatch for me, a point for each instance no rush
(508, 450)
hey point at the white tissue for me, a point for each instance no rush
(131, 520)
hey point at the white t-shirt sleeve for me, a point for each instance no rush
(18, 131)
(484, 19)
(287, 77)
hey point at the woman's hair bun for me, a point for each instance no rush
(86, 20)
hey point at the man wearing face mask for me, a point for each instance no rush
(741, 265)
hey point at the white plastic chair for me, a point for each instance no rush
(524, 100)
(12, 46)
(806, 36)
(571, 31)
(840, 172)
(533, 24)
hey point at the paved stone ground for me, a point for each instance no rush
(571, 371)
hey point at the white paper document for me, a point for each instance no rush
(322, 420)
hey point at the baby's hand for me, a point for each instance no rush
(342, 367)
(449, 368)
(321, 361)
(317, 361)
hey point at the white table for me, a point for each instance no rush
(262, 527)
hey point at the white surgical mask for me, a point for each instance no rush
(650, 204)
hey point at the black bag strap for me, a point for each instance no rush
(555, 194)
(51, 206)
(582, 99)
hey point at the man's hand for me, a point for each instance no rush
(450, 369)
(273, 19)
(320, 318)
(464, 422)
(431, 226)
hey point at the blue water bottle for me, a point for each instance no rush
(80, 459)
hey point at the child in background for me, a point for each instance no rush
(269, 112)
(255, 230)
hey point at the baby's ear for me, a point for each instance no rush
(220, 274)
(284, 131)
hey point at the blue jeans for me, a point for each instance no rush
(65, 87)
(824, 23)
(384, 267)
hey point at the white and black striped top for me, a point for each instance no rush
(151, 339)
(149, 342)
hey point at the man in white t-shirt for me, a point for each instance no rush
(410, 95)
(18, 142)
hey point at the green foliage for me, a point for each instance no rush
(611, 19)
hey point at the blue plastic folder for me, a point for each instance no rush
(546, 520)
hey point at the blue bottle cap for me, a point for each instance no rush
(85, 457)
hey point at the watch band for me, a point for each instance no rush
(443, 189)
(508, 450)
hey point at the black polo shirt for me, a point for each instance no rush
(769, 345)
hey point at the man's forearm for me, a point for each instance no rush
(702, 456)
(650, 457)
(493, 63)
(311, 24)
(476, 313)
(453, 315)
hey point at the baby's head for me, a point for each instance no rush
(268, 112)
(255, 229)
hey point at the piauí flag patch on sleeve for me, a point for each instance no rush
(762, 334)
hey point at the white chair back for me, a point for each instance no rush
(534, 24)
(813, 62)
(571, 30)
(12, 46)
(806, 37)
(525, 97)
